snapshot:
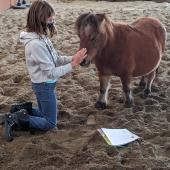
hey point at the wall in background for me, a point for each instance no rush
(5, 4)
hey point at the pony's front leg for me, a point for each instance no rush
(104, 87)
(126, 88)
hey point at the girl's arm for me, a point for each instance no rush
(62, 60)
(43, 59)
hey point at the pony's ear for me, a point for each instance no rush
(100, 17)
(79, 22)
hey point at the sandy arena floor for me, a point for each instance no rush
(77, 145)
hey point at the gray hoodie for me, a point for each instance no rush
(42, 61)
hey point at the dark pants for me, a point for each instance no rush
(45, 116)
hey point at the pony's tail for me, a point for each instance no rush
(165, 39)
(162, 37)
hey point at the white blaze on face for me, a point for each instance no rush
(87, 30)
(91, 53)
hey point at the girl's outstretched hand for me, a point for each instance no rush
(79, 57)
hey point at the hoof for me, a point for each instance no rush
(100, 105)
(146, 93)
(128, 104)
(142, 85)
(121, 100)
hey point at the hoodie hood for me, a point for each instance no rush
(26, 37)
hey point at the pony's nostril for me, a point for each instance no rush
(83, 62)
(88, 63)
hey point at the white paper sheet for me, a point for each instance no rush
(118, 137)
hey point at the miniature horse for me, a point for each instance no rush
(123, 50)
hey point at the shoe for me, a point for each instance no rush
(16, 107)
(10, 123)
(23, 120)
(15, 121)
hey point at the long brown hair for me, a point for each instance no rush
(37, 17)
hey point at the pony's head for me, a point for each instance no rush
(94, 31)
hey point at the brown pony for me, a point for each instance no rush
(121, 49)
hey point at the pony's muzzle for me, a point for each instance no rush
(85, 63)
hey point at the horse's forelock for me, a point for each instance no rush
(99, 22)
(79, 21)
(87, 19)
(87, 30)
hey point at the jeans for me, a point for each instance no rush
(45, 116)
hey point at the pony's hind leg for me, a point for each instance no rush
(104, 88)
(126, 88)
(150, 78)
